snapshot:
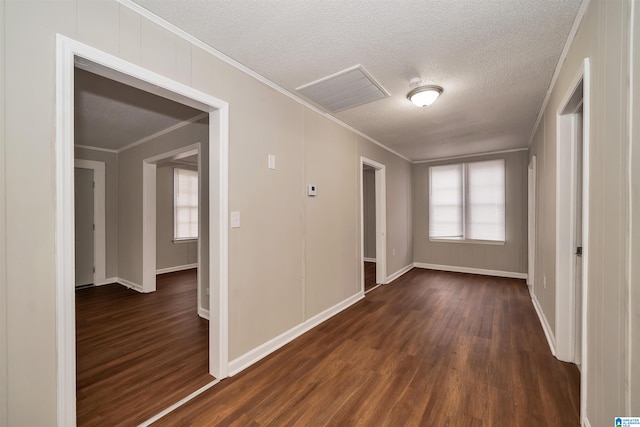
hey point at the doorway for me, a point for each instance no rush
(572, 225)
(89, 227)
(69, 52)
(372, 224)
(84, 227)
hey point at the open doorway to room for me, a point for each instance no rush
(373, 224)
(140, 346)
(127, 269)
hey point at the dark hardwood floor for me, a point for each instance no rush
(430, 349)
(369, 275)
(138, 353)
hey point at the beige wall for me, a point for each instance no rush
(604, 37)
(510, 257)
(634, 256)
(130, 197)
(369, 213)
(292, 257)
(3, 284)
(111, 203)
(169, 253)
(399, 204)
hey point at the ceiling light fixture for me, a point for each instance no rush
(424, 96)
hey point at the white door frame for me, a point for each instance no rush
(532, 201)
(99, 209)
(67, 50)
(149, 213)
(381, 221)
(566, 146)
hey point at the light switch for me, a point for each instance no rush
(235, 219)
(272, 161)
(312, 190)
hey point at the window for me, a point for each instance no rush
(467, 201)
(185, 203)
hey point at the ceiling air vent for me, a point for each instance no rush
(345, 89)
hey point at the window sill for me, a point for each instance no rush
(184, 240)
(477, 242)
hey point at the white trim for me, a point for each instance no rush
(129, 284)
(586, 422)
(203, 312)
(367, 259)
(467, 241)
(163, 132)
(399, 273)
(178, 404)
(572, 34)
(457, 269)
(260, 352)
(176, 268)
(532, 199)
(88, 147)
(65, 245)
(548, 332)
(99, 214)
(221, 56)
(66, 51)
(107, 281)
(466, 156)
(370, 289)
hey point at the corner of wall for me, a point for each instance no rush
(3, 259)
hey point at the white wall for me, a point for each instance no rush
(170, 254)
(611, 354)
(291, 258)
(510, 257)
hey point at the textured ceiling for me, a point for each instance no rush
(111, 115)
(494, 59)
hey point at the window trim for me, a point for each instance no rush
(187, 239)
(465, 214)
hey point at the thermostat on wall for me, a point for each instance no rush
(312, 191)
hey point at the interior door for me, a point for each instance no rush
(84, 226)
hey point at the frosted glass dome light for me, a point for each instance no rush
(424, 96)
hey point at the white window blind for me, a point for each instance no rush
(485, 200)
(467, 201)
(185, 204)
(445, 202)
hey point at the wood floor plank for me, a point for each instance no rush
(138, 353)
(431, 349)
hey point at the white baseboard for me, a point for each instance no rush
(545, 325)
(367, 259)
(399, 273)
(203, 313)
(240, 363)
(176, 268)
(128, 284)
(456, 269)
(107, 281)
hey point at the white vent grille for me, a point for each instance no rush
(345, 89)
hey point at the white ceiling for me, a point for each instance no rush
(112, 115)
(494, 59)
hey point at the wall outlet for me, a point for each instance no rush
(393, 252)
(544, 281)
